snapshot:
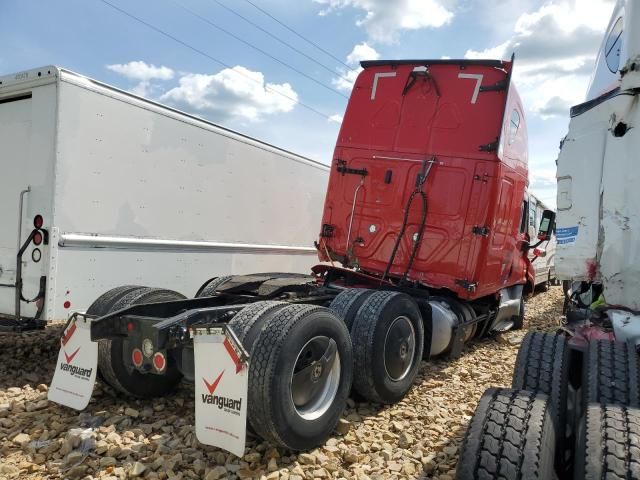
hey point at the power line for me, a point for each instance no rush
(283, 42)
(220, 62)
(258, 49)
(298, 34)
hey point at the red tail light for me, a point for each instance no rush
(37, 238)
(38, 221)
(159, 361)
(136, 357)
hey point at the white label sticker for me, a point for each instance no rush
(222, 382)
(75, 373)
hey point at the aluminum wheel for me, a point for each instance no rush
(316, 377)
(399, 348)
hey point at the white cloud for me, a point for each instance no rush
(142, 71)
(237, 93)
(337, 118)
(362, 51)
(383, 19)
(346, 79)
(555, 48)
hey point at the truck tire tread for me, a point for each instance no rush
(265, 371)
(609, 445)
(612, 373)
(347, 304)
(510, 437)
(542, 366)
(211, 286)
(245, 320)
(104, 303)
(365, 349)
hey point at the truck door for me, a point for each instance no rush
(15, 140)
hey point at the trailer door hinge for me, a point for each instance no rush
(490, 147)
(496, 87)
(343, 169)
(468, 285)
(480, 230)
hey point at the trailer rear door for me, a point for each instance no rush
(15, 139)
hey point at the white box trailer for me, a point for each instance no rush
(134, 192)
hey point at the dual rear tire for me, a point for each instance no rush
(300, 372)
(112, 366)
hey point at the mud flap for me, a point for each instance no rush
(75, 373)
(221, 384)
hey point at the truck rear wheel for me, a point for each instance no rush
(612, 373)
(210, 287)
(347, 304)
(388, 340)
(115, 370)
(246, 324)
(511, 436)
(542, 366)
(300, 376)
(104, 303)
(609, 444)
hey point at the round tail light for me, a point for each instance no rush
(159, 362)
(38, 221)
(136, 357)
(37, 238)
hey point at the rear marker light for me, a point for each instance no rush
(130, 327)
(37, 238)
(136, 357)
(36, 255)
(67, 304)
(159, 362)
(38, 221)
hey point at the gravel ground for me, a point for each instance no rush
(118, 438)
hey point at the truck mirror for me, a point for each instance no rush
(547, 224)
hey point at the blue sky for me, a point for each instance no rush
(555, 44)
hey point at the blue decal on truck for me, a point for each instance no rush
(566, 235)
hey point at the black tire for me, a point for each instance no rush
(612, 374)
(347, 304)
(210, 287)
(609, 444)
(246, 324)
(272, 411)
(542, 366)
(518, 320)
(111, 359)
(104, 303)
(510, 437)
(372, 360)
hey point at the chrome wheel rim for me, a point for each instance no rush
(315, 378)
(399, 348)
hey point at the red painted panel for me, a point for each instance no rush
(403, 118)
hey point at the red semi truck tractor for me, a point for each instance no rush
(424, 246)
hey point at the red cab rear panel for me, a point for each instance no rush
(462, 122)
